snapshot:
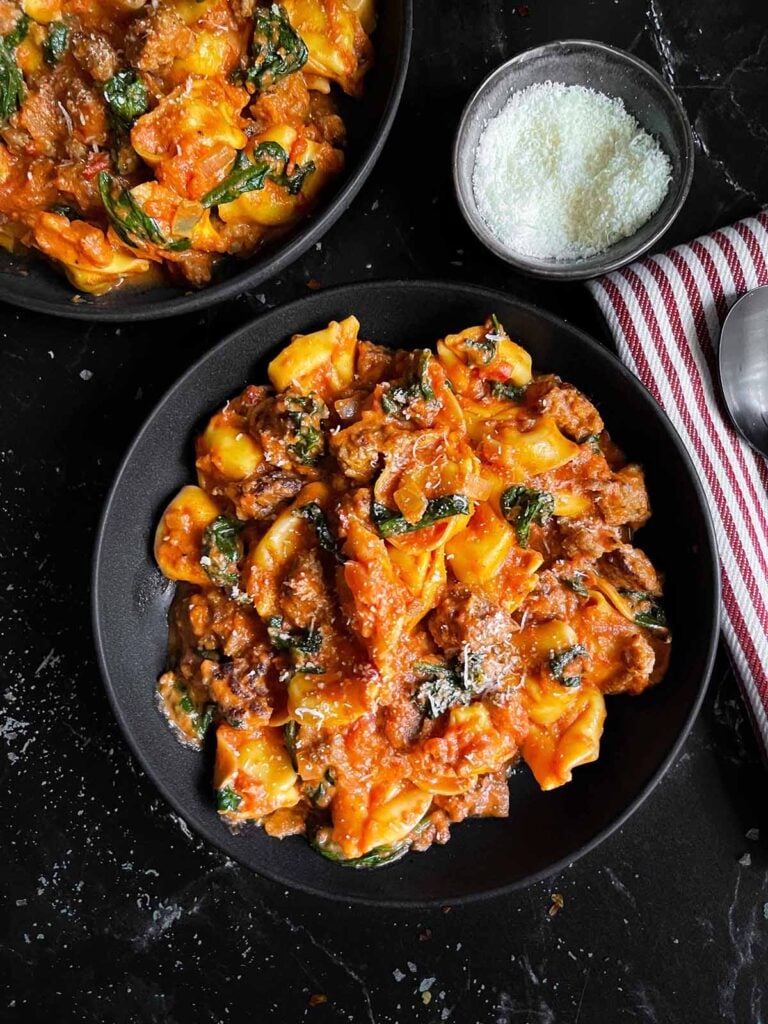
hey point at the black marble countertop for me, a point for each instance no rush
(112, 911)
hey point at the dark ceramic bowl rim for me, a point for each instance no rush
(569, 270)
(491, 296)
(285, 254)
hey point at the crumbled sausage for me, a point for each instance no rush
(624, 499)
(157, 38)
(261, 496)
(467, 620)
(587, 537)
(95, 54)
(631, 568)
(573, 412)
(634, 672)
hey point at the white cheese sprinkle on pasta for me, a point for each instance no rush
(563, 172)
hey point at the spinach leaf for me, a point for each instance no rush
(559, 660)
(416, 387)
(308, 447)
(522, 506)
(130, 223)
(498, 330)
(446, 685)
(305, 414)
(487, 345)
(200, 716)
(11, 79)
(654, 618)
(501, 389)
(315, 515)
(227, 799)
(391, 524)
(376, 858)
(294, 181)
(209, 653)
(222, 551)
(269, 161)
(320, 793)
(593, 440)
(576, 584)
(290, 735)
(277, 48)
(66, 211)
(56, 42)
(18, 33)
(651, 617)
(300, 641)
(311, 668)
(246, 176)
(127, 97)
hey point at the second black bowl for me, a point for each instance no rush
(30, 281)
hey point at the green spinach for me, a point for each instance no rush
(227, 799)
(200, 716)
(64, 210)
(315, 515)
(130, 223)
(299, 641)
(392, 524)
(446, 685)
(559, 660)
(576, 584)
(56, 42)
(522, 506)
(127, 97)
(418, 386)
(277, 48)
(652, 616)
(305, 414)
(290, 736)
(222, 551)
(11, 78)
(376, 858)
(487, 345)
(502, 389)
(18, 33)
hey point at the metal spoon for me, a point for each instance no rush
(744, 367)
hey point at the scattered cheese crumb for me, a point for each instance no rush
(563, 172)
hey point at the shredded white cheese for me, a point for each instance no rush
(563, 172)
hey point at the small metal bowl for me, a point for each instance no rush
(616, 74)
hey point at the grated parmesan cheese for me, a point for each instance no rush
(563, 172)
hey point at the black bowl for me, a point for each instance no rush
(545, 831)
(30, 281)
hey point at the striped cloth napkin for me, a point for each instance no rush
(665, 313)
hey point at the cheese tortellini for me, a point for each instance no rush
(402, 573)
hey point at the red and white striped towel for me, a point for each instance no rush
(665, 313)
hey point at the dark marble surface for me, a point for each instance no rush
(112, 911)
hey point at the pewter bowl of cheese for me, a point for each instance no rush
(572, 159)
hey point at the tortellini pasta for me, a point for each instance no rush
(402, 584)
